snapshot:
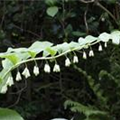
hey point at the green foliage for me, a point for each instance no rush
(7, 114)
(86, 110)
(52, 11)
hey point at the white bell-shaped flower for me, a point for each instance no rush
(47, 68)
(84, 55)
(10, 81)
(36, 70)
(56, 68)
(18, 76)
(75, 59)
(91, 53)
(59, 119)
(100, 47)
(105, 44)
(26, 73)
(67, 62)
(62, 118)
(4, 89)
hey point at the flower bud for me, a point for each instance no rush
(67, 62)
(75, 59)
(47, 68)
(4, 89)
(10, 81)
(100, 48)
(36, 70)
(105, 44)
(18, 76)
(91, 53)
(56, 68)
(84, 55)
(26, 73)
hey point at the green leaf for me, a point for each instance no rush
(90, 39)
(115, 36)
(18, 50)
(38, 46)
(32, 54)
(6, 64)
(73, 45)
(13, 58)
(77, 33)
(52, 11)
(21, 52)
(60, 48)
(50, 51)
(68, 29)
(7, 114)
(50, 2)
(87, 40)
(86, 110)
(104, 37)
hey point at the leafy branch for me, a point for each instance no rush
(13, 58)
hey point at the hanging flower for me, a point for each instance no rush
(4, 89)
(75, 59)
(56, 68)
(26, 73)
(91, 53)
(67, 62)
(105, 44)
(100, 48)
(18, 76)
(47, 68)
(84, 55)
(36, 70)
(10, 81)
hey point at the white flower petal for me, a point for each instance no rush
(36, 70)
(47, 68)
(67, 62)
(4, 89)
(105, 44)
(56, 68)
(91, 53)
(10, 81)
(18, 76)
(100, 48)
(75, 59)
(26, 73)
(84, 55)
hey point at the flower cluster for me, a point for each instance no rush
(47, 68)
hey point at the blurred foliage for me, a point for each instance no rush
(93, 82)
